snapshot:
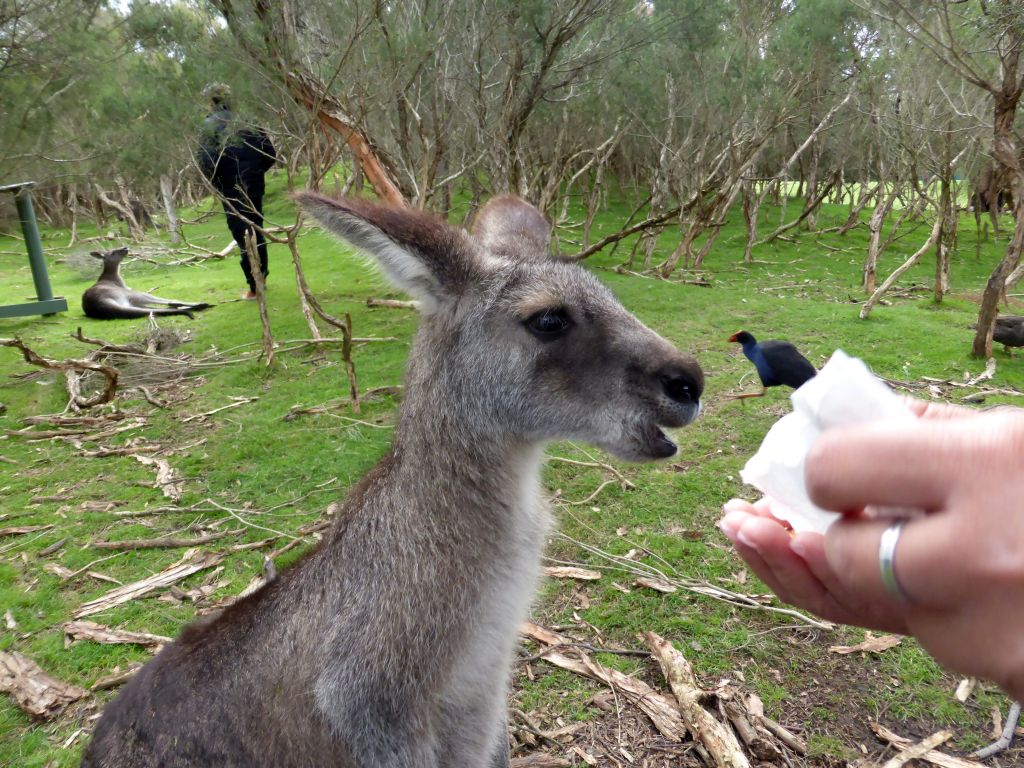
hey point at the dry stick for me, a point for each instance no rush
(116, 679)
(71, 365)
(933, 756)
(238, 401)
(792, 741)
(90, 630)
(1005, 738)
(344, 325)
(698, 587)
(720, 741)
(918, 750)
(261, 295)
(898, 272)
(300, 280)
(163, 542)
(392, 304)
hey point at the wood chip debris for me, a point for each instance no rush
(965, 689)
(871, 644)
(35, 692)
(90, 630)
(569, 572)
(932, 756)
(191, 562)
(656, 584)
(167, 480)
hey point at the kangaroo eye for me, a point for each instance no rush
(549, 324)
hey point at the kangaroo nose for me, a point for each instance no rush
(683, 384)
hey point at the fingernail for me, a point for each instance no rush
(730, 524)
(745, 539)
(733, 505)
(798, 547)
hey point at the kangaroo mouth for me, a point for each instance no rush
(656, 443)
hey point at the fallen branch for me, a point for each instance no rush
(18, 530)
(261, 296)
(918, 750)
(191, 562)
(932, 756)
(35, 692)
(116, 678)
(719, 741)
(658, 707)
(77, 401)
(97, 633)
(163, 542)
(392, 304)
(237, 402)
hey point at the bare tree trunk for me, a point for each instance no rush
(933, 238)
(875, 225)
(167, 193)
(73, 204)
(751, 207)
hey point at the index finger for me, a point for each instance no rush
(889, 465)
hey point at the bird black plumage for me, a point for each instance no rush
(777, 362)
(1009, 331)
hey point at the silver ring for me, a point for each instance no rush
(886, 556)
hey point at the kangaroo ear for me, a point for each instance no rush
(97, 254)
(419, 253)
(512, 228)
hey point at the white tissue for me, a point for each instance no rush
(844, 392)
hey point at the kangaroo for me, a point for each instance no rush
(110, 299)
(390, 645)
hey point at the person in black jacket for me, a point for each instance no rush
(234, 157)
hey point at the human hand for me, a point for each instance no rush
(961, 565)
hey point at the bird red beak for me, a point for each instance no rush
(733, 337)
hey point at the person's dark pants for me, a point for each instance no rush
(237, 211)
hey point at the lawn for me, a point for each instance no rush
(256, 471)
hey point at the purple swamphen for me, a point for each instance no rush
(777, 362)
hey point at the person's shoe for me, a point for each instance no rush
(249, 296)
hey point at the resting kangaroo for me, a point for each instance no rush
(110, 299)
(390, 645)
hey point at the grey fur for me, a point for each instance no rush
(390, 645)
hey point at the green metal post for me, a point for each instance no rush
(30, 229)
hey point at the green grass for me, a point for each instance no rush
(799, 291)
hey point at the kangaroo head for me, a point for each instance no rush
(514, 344)
(110, 258)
